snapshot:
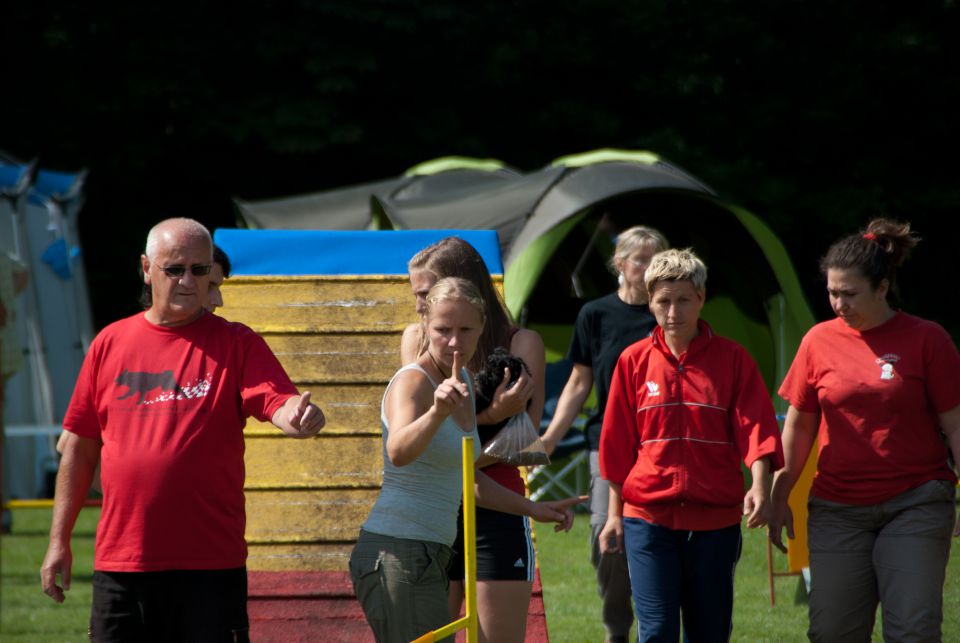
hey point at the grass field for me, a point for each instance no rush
(27, 615)
(573, 609)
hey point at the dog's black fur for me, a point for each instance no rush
(490, 376)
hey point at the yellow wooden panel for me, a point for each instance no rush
(349, 409)
(314, 463)
(338, 337)
(329, 515)
(328, 358)
(300, 557)
(319, 305)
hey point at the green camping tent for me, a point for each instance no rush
(556, 227)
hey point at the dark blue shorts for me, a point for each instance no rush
(192, 606)
(504, 547)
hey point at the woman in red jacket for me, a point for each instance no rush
(686, 407)
(879, 389)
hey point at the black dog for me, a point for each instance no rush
(491, 375)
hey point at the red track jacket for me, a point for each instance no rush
(676, 430)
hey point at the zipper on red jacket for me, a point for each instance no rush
(682, 469)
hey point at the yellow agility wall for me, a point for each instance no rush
(337, 336)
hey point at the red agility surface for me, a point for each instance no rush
(304, 606)
(537, 616)
(295, 607)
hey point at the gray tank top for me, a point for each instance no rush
(420, 500)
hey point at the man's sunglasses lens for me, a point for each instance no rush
(177, 270)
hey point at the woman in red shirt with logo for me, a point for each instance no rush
(879, 390)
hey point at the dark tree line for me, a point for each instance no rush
(814, 115)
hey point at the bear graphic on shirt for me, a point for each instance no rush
(141, 383)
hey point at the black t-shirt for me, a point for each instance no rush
(605, 327)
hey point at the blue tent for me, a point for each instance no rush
(38, 226)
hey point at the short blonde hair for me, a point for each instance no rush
(632, 238)
(676, 265)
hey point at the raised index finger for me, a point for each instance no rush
(455, 373)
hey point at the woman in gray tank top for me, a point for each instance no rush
(399, 565)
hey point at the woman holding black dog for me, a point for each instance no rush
(505, 555)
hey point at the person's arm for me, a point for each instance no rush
(799, 434)
(62, 444)
(528, 346)
(410, 344)
(572, 398)
(298, 418)
(619, 444)
(80, 459)
(413, 418)
(756, 504)
(754, 422)
(950, 424)
(492, 495)
(611, 536)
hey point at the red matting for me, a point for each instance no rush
(301, 607)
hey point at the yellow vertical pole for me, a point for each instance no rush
(470, 541)
(469, 621)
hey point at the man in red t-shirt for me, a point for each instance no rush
(160, 403)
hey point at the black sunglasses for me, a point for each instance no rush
(177, 270)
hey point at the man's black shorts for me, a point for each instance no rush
(178, 605)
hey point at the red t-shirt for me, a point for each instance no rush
(168, 405)
(878, 393)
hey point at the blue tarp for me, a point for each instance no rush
(53, 319)
(46, 184)
(341, 252)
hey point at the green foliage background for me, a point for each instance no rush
(814, 115)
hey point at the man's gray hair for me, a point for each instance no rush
(182, 225)
(676, 265)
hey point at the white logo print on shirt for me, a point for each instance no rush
(886, 363)
(653, 389)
